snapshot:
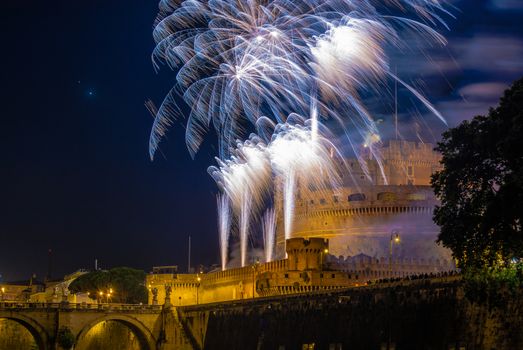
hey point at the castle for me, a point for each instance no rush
(377, 225)
(360, 217)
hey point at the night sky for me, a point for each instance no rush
(76, 176)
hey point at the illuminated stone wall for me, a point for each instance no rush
(110, 335)
(309, 267)
(364, 224)
(301, 272)
(359, 217)
(18, 292)
(14, 336)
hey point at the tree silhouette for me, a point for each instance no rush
(128, 285)
(481, 185)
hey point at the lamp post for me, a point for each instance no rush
(394, 238)
(323, 253)
(254, 270)
(198, 279)
(3, 291)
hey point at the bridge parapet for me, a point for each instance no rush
(118, 308)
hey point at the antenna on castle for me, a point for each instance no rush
(396, 101)
(49, 263)
(189, 257)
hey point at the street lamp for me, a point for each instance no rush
(197, 287)
(394, 239)
(323, 253)
(101, 297)
(254, 270)
(3, 291)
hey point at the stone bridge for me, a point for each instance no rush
(154, 326)
(421, 314)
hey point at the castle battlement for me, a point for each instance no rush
(309, 267)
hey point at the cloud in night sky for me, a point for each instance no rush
(483, 91)
(506, 5)
(465, 79)
(491, 63)
(486, 53)
(490, 54)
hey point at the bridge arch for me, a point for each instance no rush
(37, 331)
(144, 335)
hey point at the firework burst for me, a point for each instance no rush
(239, 60)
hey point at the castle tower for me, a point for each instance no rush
(306, 254)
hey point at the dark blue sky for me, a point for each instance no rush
(76, 176)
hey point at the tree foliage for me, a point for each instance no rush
(481, 185)
(65, 338)
(128, 285)
(492, 285)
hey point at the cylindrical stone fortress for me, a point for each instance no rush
(373, 206)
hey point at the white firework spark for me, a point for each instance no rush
(238, 60)
(224, 227)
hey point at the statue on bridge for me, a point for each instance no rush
(155, 296)
(168, 290)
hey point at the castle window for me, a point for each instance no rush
(286, 275)
(323, 201)
(410, 171)
(416, 197)
(335, 199)
(333, 275)
(386, 196)
(356, 197)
